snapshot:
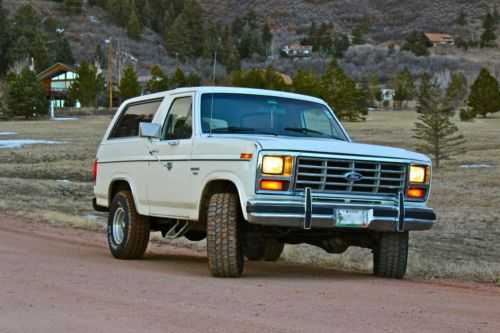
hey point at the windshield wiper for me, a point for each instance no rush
(303, 130)
(232, 129)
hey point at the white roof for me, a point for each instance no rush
(231, 90)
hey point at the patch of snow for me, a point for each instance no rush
(63, 181)
(476, 166)
(8, 133)
(21, 143)
(64, 118)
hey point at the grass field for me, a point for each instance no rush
(53, 183)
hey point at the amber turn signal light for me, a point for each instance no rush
(415, 192)
(272, 185)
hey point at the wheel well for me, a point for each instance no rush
(213, 187)
(117, 186)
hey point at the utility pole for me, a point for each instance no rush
(110, 73)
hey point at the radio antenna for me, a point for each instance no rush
(213, 92)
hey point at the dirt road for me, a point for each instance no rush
(64, 280)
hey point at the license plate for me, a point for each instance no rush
(352, 218)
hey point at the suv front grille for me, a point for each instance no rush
(329, 175)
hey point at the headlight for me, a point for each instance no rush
(273, 165)
(419, 174)
(277, 165)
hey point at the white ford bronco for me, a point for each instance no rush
(251, 170)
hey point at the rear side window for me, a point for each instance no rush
(179, 124)
(128, 123)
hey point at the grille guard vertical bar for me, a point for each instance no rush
(401, 213)
(307, 208)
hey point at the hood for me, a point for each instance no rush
(315, 145)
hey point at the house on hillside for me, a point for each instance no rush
(440, 39)
(57, 79)
(297, 51)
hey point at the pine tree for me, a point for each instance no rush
(267, 39)
(99, 56)
(340, 91)
(133, 26)
(4, 38)
(72, 7)
(229, 55)
(434, 126)
(456, 92)
(179, 79)
(159, 81)
(488, 36)
(340, 44)
(129, 85)
(193, 14)
(462, 18)
(63, 50)
(177, 40)
(245, 42)
(87, 86)
(25, 95)
(40, 53)
(416, 43)
(484, 95)
(307, 83)
(211, 44)
(358, 36)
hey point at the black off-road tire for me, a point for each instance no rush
(390, 255)
(135, 228)
(273, 251)
(266, 252)
(224, 249)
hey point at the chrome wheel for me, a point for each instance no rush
(119, 225)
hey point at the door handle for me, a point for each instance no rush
(174, 143)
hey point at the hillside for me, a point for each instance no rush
(290, 21)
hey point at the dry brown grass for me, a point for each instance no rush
(463, 244)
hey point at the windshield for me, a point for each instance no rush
(257, 114)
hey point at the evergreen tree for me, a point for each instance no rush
(119, 11)
(133, 26)
(193, 14)
(179, 79)
(177, 39)
(159, 81)
(129, 85)
(229, 55)
(340, 91)
(211, 44)
(340, 45)
(72, 7)
(245, 42)
(40, 54)
(374, 91)
(456, 92)
(462, 18)
(488, 36)
(358, 36)
(25, 95)
(434, 126)
(267, 39)
(4, 38)
(484, 95)
(24, 28)
(87, 86)
(307, 83)
(63, 50)
(404, 87)
(417, 43)
(252, 78)
(99, 56)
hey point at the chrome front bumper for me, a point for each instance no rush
(320, 212)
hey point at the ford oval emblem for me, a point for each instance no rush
(354, 176)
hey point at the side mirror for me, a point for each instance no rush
(149, 130)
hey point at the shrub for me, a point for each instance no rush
(467, 114)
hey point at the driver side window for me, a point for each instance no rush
(179, 123)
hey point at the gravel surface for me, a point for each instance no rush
(64, 280)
